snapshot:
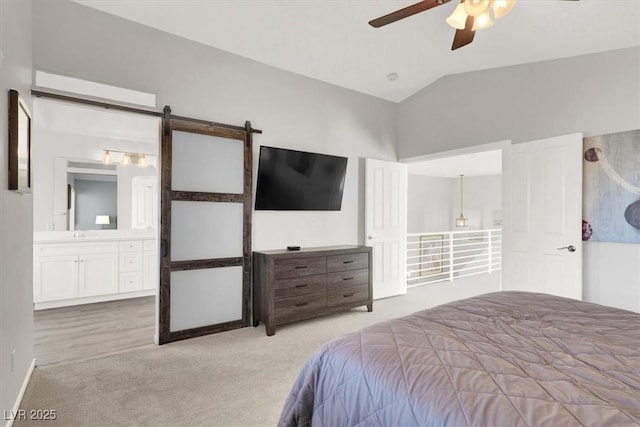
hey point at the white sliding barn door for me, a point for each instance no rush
(386, 225)
(542, 216)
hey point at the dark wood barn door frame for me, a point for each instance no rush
(243, 135)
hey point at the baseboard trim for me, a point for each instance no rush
(25, 383)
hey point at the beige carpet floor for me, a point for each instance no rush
(236, 378)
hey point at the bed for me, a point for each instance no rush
(499, 359)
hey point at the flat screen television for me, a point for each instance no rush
(290, 180)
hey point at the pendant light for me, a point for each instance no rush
(461, 221)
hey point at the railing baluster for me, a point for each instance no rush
(451, 257)
(489, 248)
(468, 255)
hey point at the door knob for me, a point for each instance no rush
(570, 248)
(370, 237)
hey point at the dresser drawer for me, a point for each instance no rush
(344, 279)
(130, 245)
(130, 282)
(73, 248)
(295, 286)
(348, 295)
(130, 261)
(295, 267)
(287, 307)
(347, 262)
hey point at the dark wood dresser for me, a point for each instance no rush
(294, 285)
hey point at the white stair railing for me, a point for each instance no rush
(449, 255)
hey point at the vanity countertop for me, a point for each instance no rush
(92, 236)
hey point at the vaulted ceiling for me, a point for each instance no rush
(331, 41)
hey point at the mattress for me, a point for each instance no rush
(500, 359)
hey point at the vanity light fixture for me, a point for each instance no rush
(127, 158)
(142, 161)
(106, 157)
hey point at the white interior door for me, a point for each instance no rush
(386, 225)
(542, 216)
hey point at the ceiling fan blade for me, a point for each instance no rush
(406, 12)
(464, 37)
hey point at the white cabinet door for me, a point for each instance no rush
(150, 270)
(98, 274)
(56, 277)
(144, 202)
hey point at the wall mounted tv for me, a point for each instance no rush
(290, 180)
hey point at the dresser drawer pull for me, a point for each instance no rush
(347, 295)
(347, 262)
(301, 266)
(302, 286)
(302, 304)
(347, 278)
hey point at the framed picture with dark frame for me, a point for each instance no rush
(431, 254)
(19, 144)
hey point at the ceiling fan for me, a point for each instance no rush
(468, 17)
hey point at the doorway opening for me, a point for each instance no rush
(96, 222)
(454, 221)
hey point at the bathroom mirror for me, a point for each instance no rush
(92, 197)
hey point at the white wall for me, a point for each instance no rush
(593, 94)
(429, 204)
(203, 82)
(16, 248)
(612, 274)
(434, 202)
(482, 196)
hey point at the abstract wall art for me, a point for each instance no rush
(611, 188)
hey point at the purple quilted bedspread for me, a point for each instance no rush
(500, 359)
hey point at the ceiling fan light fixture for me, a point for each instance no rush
(475, 7)
(458, 18)
(482, 21)
(501, 7)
